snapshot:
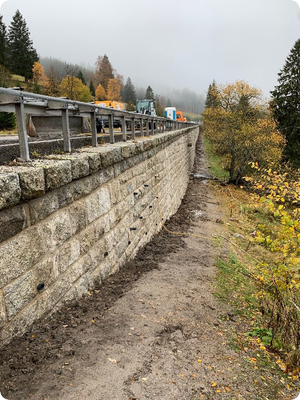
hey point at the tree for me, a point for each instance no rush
(81, 77)
(241, 129)
(22, 54)
(39, 78)
(212, 98)
(3, 43)
(129, 95)
(92, 88)
(100, 93)
(104, 71)
(285, 104)
(7, 121)
(74, 89)
(5, 76)
(52, 85)
(149, 93)
(113, 90)
(159, 108)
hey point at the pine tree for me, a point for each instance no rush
(129, 95)
(92, 88)
(3, 43)
(212, 99)
(81, 77)
(149, 93)
(22, 53)
(104, 71)
(285, 104)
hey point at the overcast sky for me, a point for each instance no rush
(165, 42)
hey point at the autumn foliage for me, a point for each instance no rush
(278, 198)
(241, 129)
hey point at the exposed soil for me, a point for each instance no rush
(154, 330)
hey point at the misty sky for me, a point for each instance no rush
(166, 43)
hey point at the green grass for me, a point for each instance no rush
(214, 162)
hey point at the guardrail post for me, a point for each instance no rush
(22, 133)
(133, 128)
(142, 127)
(111, 129)
(66, 129)
(94, 129)
(123, 122)
(152, 126)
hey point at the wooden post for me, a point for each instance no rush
(22, 133)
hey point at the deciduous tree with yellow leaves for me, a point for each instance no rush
(241, 129)
(74, 89)
(113, 90)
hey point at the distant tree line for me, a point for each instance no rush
(20, 66)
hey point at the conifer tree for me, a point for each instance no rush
(285, 104)
(129, 95)
(3, 43)
(149, 93)
(212, 99)
(81, 77)
(21, 50)
(104, 71)
(92, 88)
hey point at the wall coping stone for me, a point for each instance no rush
(22, 181)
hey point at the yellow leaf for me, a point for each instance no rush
(213, 384)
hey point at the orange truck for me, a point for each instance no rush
(179, 116)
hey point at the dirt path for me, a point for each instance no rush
(153, 331)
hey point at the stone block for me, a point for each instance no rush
(57, 173)
(87, 239)
(12, 221)
(110, 156)
(79, 164)
(79, 268)
(98, 203)
(47, 271)
(32, 181)
(82, 286)
(10, 190)
(94, 162)
(56, 229)
(78, 216)
(19, 293)
(42, 207)
(60, 287)
(96, 253)
(101, 226)
(67, 254)
(114, 190)
(20, 253)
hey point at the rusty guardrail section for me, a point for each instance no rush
(22, 103)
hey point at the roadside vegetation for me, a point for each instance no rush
(261, 276)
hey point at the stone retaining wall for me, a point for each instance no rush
(67, 222)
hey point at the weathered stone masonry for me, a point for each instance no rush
(67, 222)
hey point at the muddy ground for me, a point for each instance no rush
(154, 330)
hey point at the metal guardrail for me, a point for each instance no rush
(22, 103)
